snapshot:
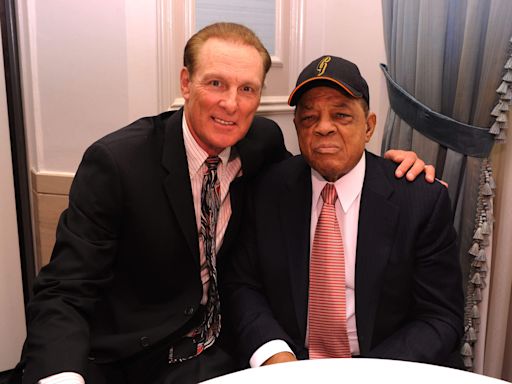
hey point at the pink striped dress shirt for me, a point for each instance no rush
(229, 168)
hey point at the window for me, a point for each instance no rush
(259, 15)
(278, 23)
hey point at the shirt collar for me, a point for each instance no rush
(348, 187)
(195, 154)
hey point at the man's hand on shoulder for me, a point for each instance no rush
(281, 357)
(411, 166)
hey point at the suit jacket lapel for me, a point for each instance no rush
(376, 234)
(177, 183)
(252, 154)
(295, 210)
(251, 160)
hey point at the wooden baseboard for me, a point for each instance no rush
(50, 197)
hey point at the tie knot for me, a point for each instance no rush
(329, 194)
(212, 162)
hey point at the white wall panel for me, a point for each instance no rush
(92, 70)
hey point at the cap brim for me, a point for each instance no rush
(307, 84)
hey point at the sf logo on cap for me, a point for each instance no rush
(322, 65)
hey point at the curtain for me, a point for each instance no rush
(449, 55)
(498, 346)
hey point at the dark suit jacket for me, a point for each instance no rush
(409, 300)
(124, 272)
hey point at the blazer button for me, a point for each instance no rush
(145, 342)
(189, 311)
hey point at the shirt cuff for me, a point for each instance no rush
(63, 378)
(268, 350)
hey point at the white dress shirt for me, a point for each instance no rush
(349, 189)
(229, 168)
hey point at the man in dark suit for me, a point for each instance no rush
(124, 285)
(374, 275)
(130, 294)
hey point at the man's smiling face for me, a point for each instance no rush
(222, 95)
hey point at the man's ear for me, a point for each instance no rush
(371, 122)
(185, 83)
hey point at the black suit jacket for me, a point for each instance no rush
(124, 273)
(408, 290)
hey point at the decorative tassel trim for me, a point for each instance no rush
(492, 183)
(503, 88)
(499, 111)
(471, 334)
(473, 251)
(475, 312)
(477, 254)
(486, 191)
(466, 350)
(478, 294)
(482, 257)
(478, 234)
(486, 229)
(495, 128)
(502, 118)
(476, 280)
(508, 64)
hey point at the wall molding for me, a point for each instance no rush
(164, 72)
(49, 198)
(54, 183)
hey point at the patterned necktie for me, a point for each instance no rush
(327, 298)
(210, 204)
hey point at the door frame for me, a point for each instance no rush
(8, 23)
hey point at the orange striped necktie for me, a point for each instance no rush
(328, 336)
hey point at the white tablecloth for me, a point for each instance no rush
(358, 371)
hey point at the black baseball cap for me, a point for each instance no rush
(333, 72)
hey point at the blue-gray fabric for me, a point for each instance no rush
(462, 138)
(449, 55)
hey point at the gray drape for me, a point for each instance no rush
(449, 55)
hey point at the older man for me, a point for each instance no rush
(337, 258)
(130, 294)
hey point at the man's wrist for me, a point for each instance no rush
(267, 350)
(63, 378)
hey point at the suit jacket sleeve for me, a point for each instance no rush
(68, 287)
(434, 326)
(246, 305)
